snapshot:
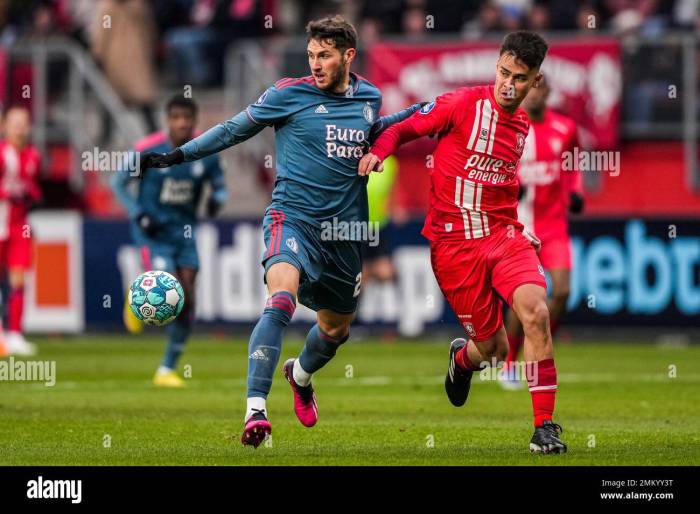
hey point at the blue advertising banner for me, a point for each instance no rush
(626, 272)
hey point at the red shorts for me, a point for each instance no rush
(475, 274)
(556, 253)
(16, 250)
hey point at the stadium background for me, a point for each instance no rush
(626, 71)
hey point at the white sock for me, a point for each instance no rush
(162, 370)
(301, 377)
(257, 403)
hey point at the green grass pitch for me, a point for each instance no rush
(379, 404)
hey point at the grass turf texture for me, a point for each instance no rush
(616, 402)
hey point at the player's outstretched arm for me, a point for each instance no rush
(433, 118)
(218, 138)
(272, 108)
(390, 119)
(224, 135)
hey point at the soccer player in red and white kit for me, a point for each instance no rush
(548, 194)
(19, 191)
(479, 251)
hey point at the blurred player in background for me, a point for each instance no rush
(378, 267)
(548, 194)
(19, 192)
(323, 125)
(163, 217)
(480, 253)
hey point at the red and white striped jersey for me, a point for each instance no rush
(474, 186)
(19, 186)
(543, 208)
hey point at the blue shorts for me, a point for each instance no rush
(166, 255)
(330, 271)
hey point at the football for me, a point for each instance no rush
(156, 297)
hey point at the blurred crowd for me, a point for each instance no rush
(187, 39)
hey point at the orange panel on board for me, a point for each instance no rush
(51, 271)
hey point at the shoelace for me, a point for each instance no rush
(258, 412)
(554, 427)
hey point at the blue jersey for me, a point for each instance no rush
(169, 195)
(319, 140)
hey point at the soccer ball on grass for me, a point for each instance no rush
(156, 297)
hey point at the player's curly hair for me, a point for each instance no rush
(335, 29)
(180, 101)
(527, 46)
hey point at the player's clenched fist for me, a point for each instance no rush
(368, 164)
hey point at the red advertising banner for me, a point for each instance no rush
(585, 76)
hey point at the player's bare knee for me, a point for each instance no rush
(282, 277)
(337, 330)
(535, 316)
(541, 316)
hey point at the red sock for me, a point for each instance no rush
(15, 308)
(542, 381)
(463, 361)
(514, 344)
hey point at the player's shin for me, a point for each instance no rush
(318, 350)
(542, 382)
(264, 348)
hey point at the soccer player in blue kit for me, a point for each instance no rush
(323, 124)
(163, 216)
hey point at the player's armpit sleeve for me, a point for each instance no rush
(390, 119)
(222, 136)
(121, 182)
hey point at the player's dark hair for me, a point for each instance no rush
(333, 29)
(180, 101)
(527, 46)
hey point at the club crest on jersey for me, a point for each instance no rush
(469, 329)
(368, 113)
(427, 108)
(292, 244)
(520, 142)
